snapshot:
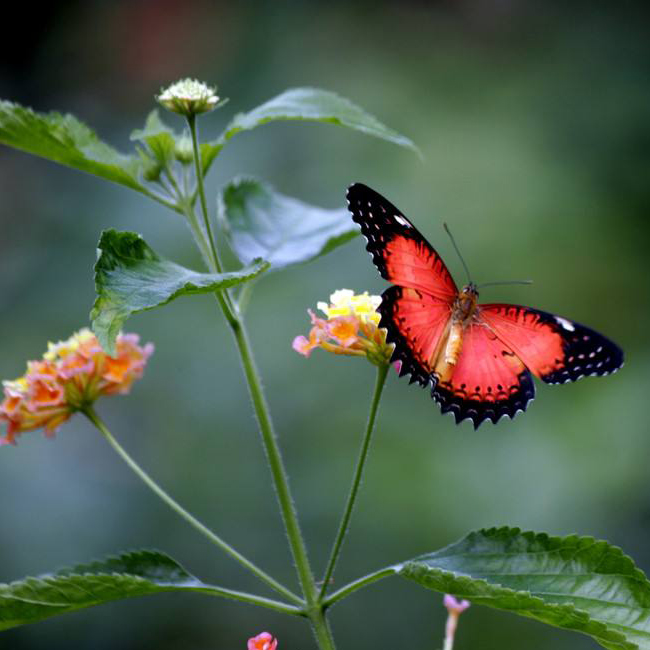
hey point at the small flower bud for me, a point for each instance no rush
(455, 608)
(263, 641)
(183, 150)
(189, 97)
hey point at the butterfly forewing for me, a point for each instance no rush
(402, 255)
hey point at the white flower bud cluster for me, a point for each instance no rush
(189, 97)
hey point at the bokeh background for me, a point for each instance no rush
(534, 121)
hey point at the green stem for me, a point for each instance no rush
(162, 200)
(278, 470)
(167, 188)
(214, 263)
(313, 609)
(321, 629)
(251, 599)
(169, 172)
(90, 413)
(191, 120)
(197, 232)
(356, 481)
(358, 584)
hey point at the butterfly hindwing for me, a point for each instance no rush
(402, 255)
(488, 382)
(416, 323)
(555, 349)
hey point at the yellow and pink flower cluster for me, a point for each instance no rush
(351, 327)
(71, 375)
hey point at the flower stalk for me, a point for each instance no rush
(198, 166)
(91, 414)
(280, 478)
(356, 481)
(454, 608)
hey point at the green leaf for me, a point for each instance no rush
(576, 583)
(260, 222)
(66, 140)
(159, 138)
(311, 104)
(130, 277)
(209, 151)
(138, 573)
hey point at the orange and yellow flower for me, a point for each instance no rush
(71, 375)
(351, 328)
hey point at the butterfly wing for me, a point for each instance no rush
(416, 323)
(416, 313)
(488, 382)
(402, 255)
(555, 349)
(502, 348)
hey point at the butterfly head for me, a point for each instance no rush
(469, 290)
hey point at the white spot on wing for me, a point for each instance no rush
(566, 324)
(402, 221)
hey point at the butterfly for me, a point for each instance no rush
(479, 359)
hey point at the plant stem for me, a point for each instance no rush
(214, 263)
(197, 233)
(91, 414)
(278, 470)
(356, 481)
(314, 610)
(191, 120)
(169, 172)
(321, 629)
(162, 200)
(251, 599)
(358, 584)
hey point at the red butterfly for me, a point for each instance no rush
(477, 358)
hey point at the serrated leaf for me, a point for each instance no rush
(260, 222)
(138, 573)
(576, 583)
(159, 138)
(130, 277)
(64, 139)
(312, 104)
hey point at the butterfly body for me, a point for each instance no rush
(479, 359)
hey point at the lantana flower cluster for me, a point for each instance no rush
(351, 327)
(69, 377)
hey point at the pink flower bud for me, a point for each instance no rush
(263, 641)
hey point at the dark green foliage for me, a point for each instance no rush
(577, 583)
(64, 139)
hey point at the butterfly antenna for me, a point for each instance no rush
(453, 241)
(492, 284)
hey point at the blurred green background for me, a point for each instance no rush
(534, 121)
